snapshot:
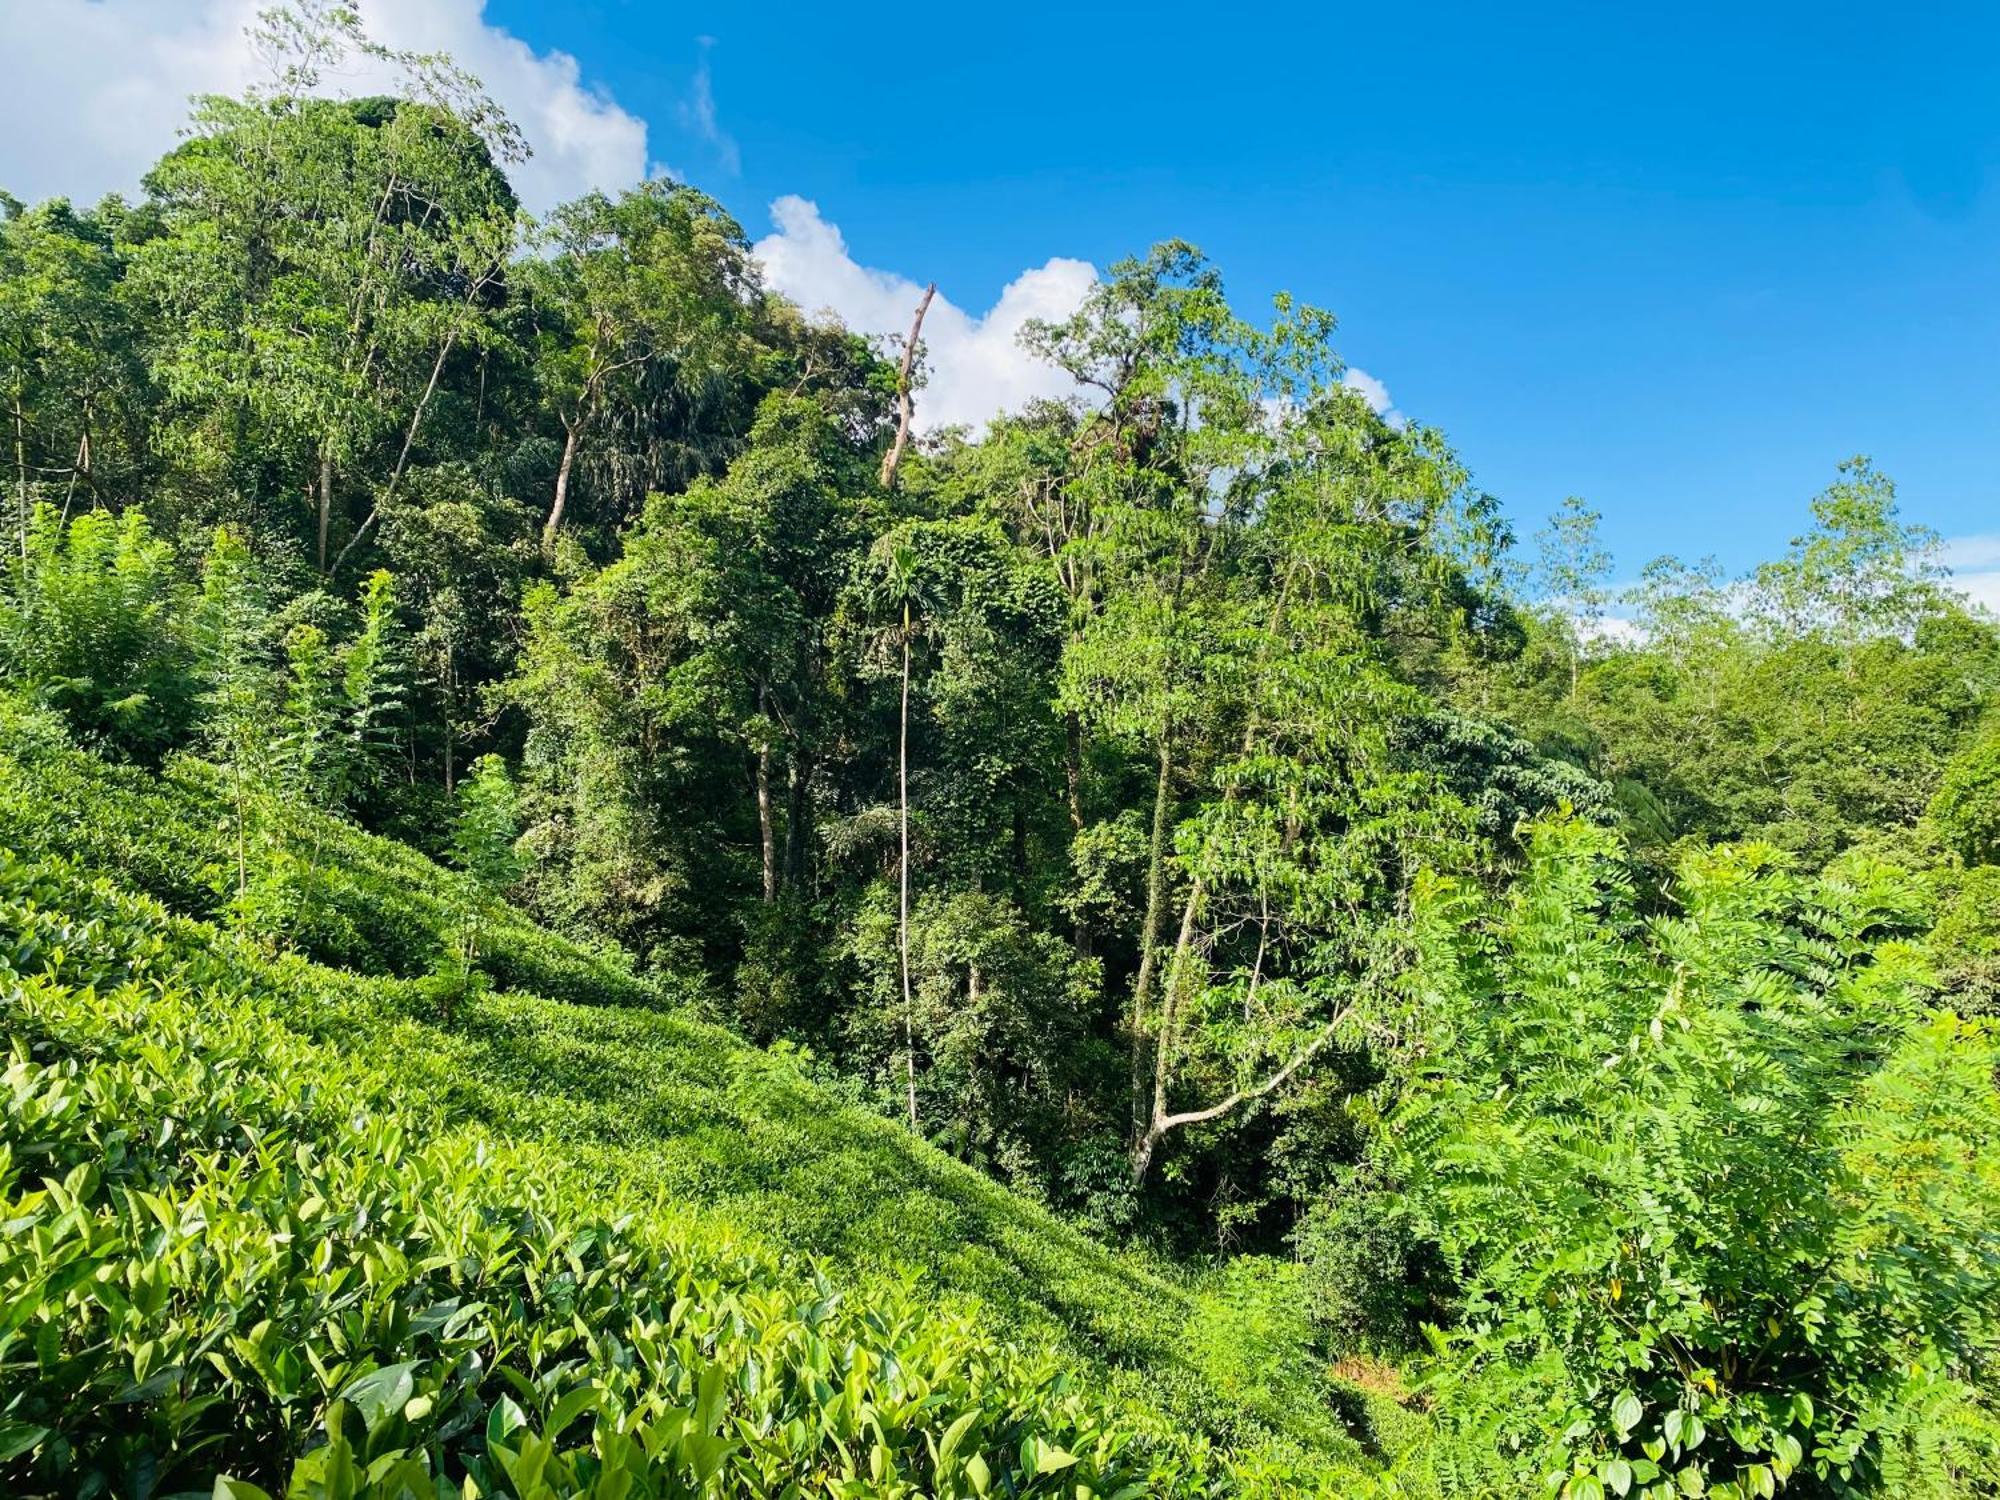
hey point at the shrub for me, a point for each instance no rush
(91, 625)
(622, 1112)
(1721, 1199)
(1966, 807)
(373, 906)
(230, 1250)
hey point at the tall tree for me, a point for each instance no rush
(1309, 820)
(1572, 574)
(699, 652)
(69, 358)
(1158, 342)
(643, 307)
(1859, 572)
(321, 263)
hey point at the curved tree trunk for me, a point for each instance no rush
(1150, 1120)
(1149, 942)
(905, 407)
(1161, 1125)
(1073, 789)
(797, 801)
(571, 431)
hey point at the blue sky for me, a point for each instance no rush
(1679, 260)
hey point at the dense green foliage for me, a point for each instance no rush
(726, 1149)
(236, 1238)
(674, 896)
(1719, 1192)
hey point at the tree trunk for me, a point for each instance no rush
(1142, 1153)
(1149, 941)
(797, 793)
(554, 522)
(1161, 1124)
(1150, 1104)
(767, 833)
(1170, 1002)
(1073, 787)
(402, 458)
(1155, 1124)
(325, 503)
(1073, 768)
(903, 910)
(80, 470)
(906, 408)
(21, 458)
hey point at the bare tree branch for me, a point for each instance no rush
(906, 408)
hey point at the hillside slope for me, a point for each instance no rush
(642, 1108)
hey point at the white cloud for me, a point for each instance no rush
(698, 115)
(97, 89)
(1608, 630)
(1374, 392)
(1975, 567)
(977, 365)
(1973, 554)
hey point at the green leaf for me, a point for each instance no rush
(953, 1436)
(710, 1393)
(150, 1389)
(1625, 1414)
(1616, 1474)
(584, 1398)
(17, 1438)
(504, 1420)
(380, 1394)
(1049, 1459)
(707, 1453)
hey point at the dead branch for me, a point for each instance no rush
(906, 407)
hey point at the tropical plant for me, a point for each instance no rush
(1720, 1197)
(93, 623)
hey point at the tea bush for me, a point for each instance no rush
(375, 906)
(255, 1181)
(229, 1250)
